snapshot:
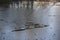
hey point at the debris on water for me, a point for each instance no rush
(38, 26)
(19, 30)
(46, 25)
(30, 26)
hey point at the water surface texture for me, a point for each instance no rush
(14, 18)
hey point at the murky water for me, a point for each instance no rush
(16, 18)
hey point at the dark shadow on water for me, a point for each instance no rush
(4, 5)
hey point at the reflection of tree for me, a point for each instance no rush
(4, 1)
(31, 3)
(41, 0)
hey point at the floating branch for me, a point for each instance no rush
(30, 27)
